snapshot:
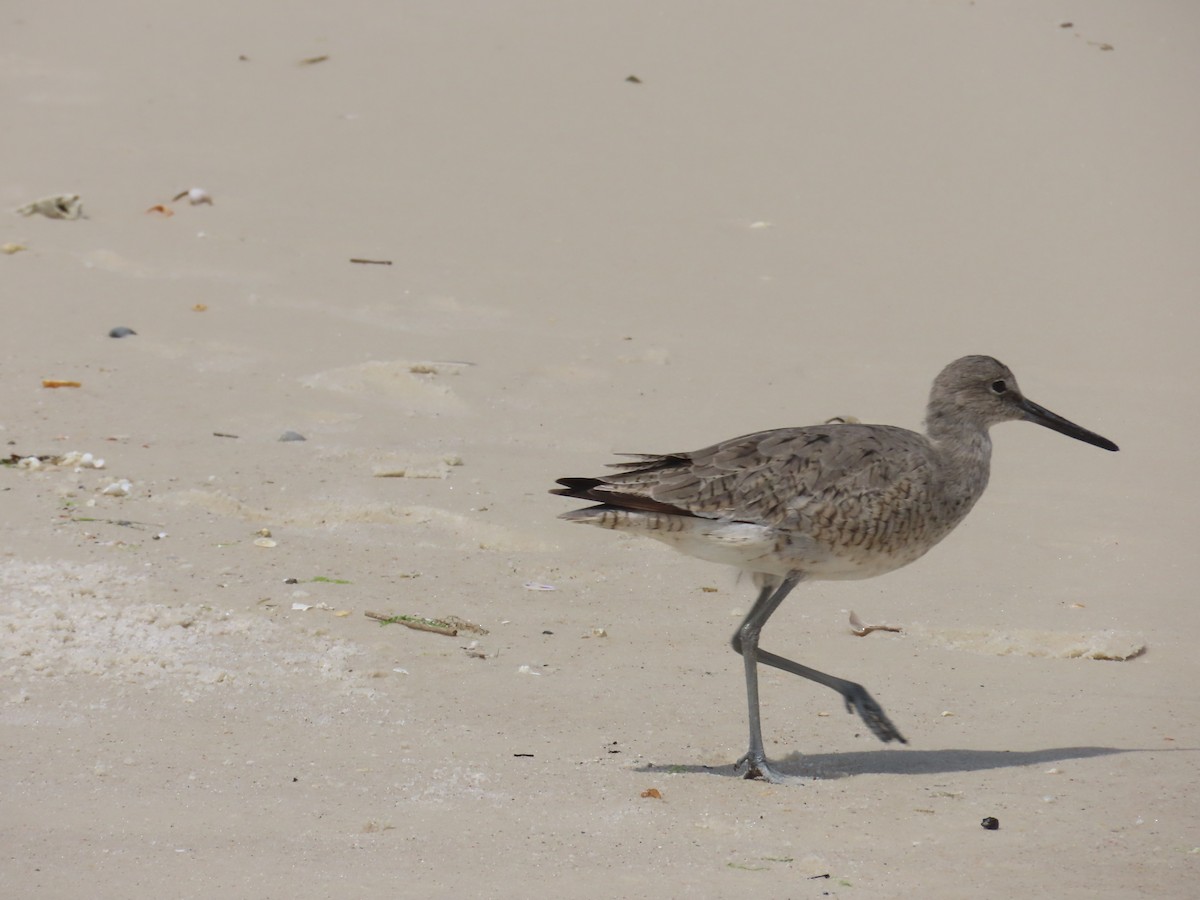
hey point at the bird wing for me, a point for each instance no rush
(769, 477)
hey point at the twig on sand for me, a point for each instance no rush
(861, 630)
(419, 623)
(449, 626)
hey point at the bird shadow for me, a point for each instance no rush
(828, 766)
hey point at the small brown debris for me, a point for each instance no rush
(860, 630)
(464, 625)
(58, 383)
(159, 209)
(313, 60)
(371, 262)
(652, 793)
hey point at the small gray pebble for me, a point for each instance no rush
(121, 331)
(991, 823)
(292, 436)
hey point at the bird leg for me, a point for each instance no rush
(855, 696)
(745, 641)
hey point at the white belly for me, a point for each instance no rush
(752, 548)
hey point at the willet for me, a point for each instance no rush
(820, 502)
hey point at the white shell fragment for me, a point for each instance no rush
(265, 542)
(73, 459)
(195, 196)
(535, 586)
(118, 488)
(60, 206)
(80, 460)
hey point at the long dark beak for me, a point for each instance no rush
(1043, 416)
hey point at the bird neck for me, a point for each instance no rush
(965, 453)
(947, 427)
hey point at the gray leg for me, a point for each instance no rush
(745, 642)
(855, 695)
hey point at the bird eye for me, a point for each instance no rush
(999, 387)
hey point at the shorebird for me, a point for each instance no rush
(818, 503)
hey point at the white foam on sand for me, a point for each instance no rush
(59, 620)
(1104, 644)
(413, 386)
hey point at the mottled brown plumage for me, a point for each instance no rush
(820, 502)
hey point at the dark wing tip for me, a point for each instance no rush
(578, 488)
(597, 490)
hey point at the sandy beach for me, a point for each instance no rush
(463, 249)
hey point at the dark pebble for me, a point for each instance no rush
(121, 331)
(991, 823)
(292, 436)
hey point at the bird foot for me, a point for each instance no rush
(859, 701)
(755, 766)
